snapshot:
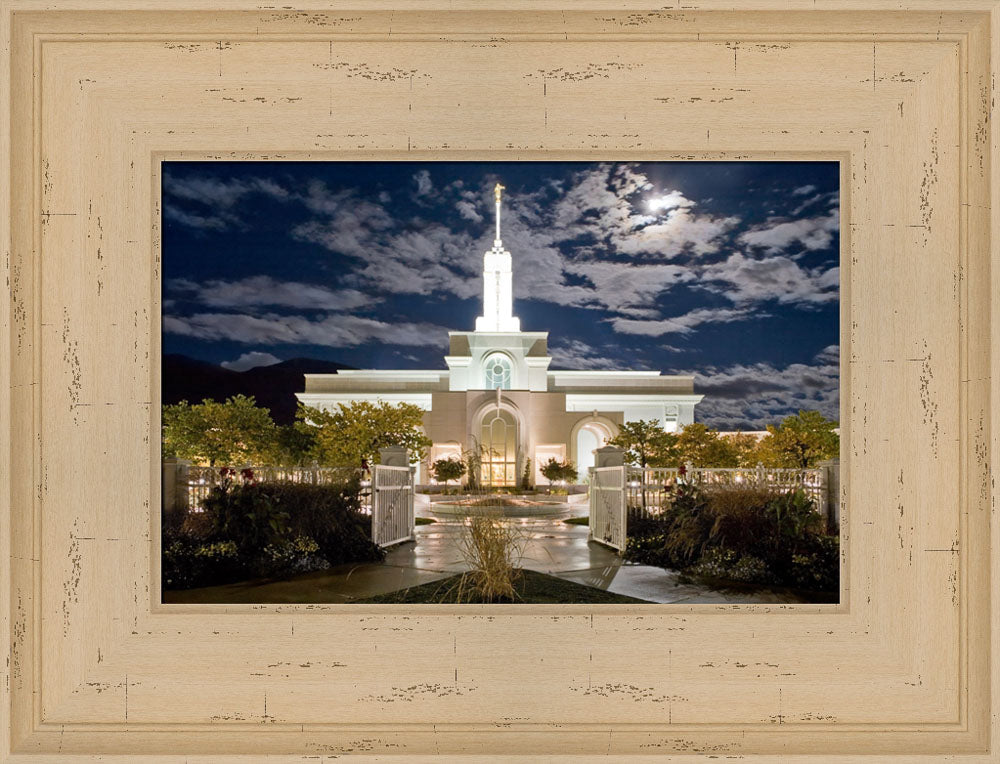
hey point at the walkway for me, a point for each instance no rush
(552, 547)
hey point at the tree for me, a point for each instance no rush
(293, 445)
(646, 443)
(552, 470)
(357, 430)
(555, 470)
(745, 448)
(701, 446)
(446, 470)
(800, 441)
(235, 432)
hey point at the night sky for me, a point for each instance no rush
(725, 270)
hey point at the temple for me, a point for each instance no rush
(498, 393)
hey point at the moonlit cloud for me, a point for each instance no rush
(745, 280)
(829, 355)
(467, 210)
(810, 233)
(266, 291)
(424, 183)
(198, 222)
(250, 361)
(331, 331)
(579, 355)
(751, 396)
(217, 193)
(668, 201)
(683, 324)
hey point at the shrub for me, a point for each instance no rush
(795, 517)
(448, 469)
(291, 555)
(244, 514)
(188, 562)
(743, 534)
(818, 564)
(649, 549)
(676, 537)
(555, 470)
(727, 564)
(254, 530)
(742, 521)
(330, 515)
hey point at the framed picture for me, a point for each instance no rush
(101, 663)
(597, 382)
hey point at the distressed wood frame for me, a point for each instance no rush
(899, 92)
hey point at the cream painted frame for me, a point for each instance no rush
(900, 92)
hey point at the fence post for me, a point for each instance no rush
(175, 486)
(609, 456)
(394, 456)
(760, 474)
(831, 483)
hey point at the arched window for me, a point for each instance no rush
(499, 448)
(497, 369)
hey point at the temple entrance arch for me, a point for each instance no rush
(589, 434)
(499, 431)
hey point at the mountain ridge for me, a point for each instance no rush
(273, 386)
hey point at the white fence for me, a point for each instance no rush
(387, 496)
(648, 490)
(392, 507)
(187, 486)
(607, 507)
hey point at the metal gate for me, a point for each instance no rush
(607, 507)
(392, 505)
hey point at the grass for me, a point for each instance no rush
(585, 520)
(492, 546)
(424, 521)
(531, 587)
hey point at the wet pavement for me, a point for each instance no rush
(549, 545)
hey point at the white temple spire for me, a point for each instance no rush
(498, 293)
(497, 189)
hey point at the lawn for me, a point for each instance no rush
(585, 520)
(532, 588)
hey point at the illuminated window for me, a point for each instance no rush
(497, 369)
(499, 448)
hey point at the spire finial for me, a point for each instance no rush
(497, 190)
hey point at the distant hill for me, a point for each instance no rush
(273, 387)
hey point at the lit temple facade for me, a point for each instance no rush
(498, 392)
